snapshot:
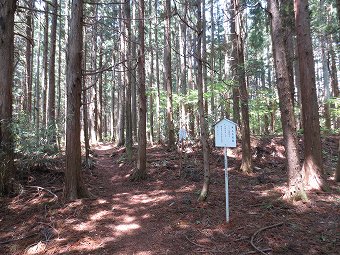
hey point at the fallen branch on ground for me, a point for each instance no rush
(257, 232)
(42, 188)
(199, 245)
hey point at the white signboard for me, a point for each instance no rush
(225, 136)
(225, 133)
(182, 134)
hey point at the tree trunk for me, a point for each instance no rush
(212, 58)
(140, 172)
(127, 78)
(85, 114)
(204, 57)
(59, 124)
(167, 75)
(133, 77)
(74, 185)
(37, 91)
(51, 88)
(121, 87)
(205, 189)
(334, 82)
(246, 165)
(100, 96)
(233, 65)
(6, 86)
(29, 58)
(158, 96)
(295, 174)
(183, 70)
(314, 176)
(337, 171)
(151, 79)
(93, 110)
(45, 67)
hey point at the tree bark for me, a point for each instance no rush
(337, 170)
(121, 87)
(51, 88)
(140, 172)
(74, 185)
(158, 96)
(7, 169)
(295, 173)
(29, 58)
(247, 164)
(312, 165)
(100, 96)
(127, 78)
(151, 79)
(202, 123)
(167, 75)
(37, 91)
(183, 65)
(212, 57)
(233, 65)
(45, 68)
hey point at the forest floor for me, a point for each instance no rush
(161, 215)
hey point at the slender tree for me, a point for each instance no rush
(45, 68)
(127, 77)
(29, 57)
(167, 74)
(74, 185)
(314, 175)
(51, 87)
(121, 87)
(246, 165)
(140, 172)
(7, 9)
(233, 64)
(212, 57)
(202, 122)
(337, 171)
(183, 61)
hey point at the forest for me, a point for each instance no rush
(108, 119)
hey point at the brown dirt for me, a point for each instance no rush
(161, 215)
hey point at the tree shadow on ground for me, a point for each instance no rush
(161, 215)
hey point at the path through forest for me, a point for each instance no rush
(161, 215)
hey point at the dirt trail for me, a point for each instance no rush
(161, 215)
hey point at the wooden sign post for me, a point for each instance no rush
(225, 136)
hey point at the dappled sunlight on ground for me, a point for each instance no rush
(161, 215)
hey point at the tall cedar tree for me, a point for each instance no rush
(206, 181)
(140, 172)
(295, 176)
(51, 92)
(233, 63)
(7, 9)
(29, 58)
(74, 185)
(314, 175)
(247, 164)
(128, 78)
(167, 75)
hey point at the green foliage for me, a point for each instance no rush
(334, 106)
(265, 102)
(31, 145)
